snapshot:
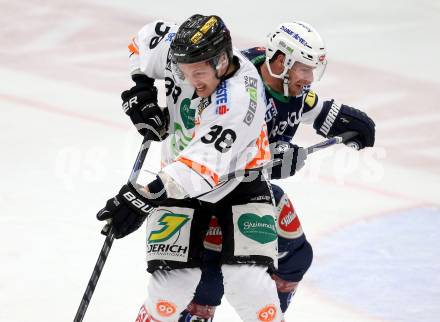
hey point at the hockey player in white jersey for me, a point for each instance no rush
(216, 108)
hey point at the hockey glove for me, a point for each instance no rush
(140, 104)
(334, 120)
(293, 157)
(126, 211)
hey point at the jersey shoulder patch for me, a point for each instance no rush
(256, 55)
(310, 101)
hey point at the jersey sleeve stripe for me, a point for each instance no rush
(263, 153)
(133, 48)
(201, 169)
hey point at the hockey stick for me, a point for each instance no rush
(109, 238)
(344, 137)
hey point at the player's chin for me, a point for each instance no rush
(203, 92)
(295, 90)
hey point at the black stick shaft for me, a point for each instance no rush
(93, 281)
(311, 149)
(103, 254)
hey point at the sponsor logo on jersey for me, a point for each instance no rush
(165, 308)
(143, 315)
(204, 103)
(214, 238)
(294, 35)
(167, 236)
(251, 88)
(168, 250)
(271, 110)
(283, 118)
(260, 198)
(267, 313)
(261, 229)
(288, 222)
(171, 224)
(221, 98)
(187, 113)
(292, 120)
(222, 109)
(179, 140)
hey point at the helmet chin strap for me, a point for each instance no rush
(284, 76)
(286, 85)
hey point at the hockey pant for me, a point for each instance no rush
(294, 257)
(175, 243)
(248, 288)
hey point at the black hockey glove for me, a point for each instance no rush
(293, 157)
(127, 211)
(334, 120)
(140, 104)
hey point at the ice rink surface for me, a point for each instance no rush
(66, 146)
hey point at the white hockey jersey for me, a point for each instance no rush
(209, 137)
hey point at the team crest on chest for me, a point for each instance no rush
(187, 113)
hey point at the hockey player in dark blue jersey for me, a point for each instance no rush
(294, 57)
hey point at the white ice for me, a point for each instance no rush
(66, 147)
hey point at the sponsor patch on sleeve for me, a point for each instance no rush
(311, 100)
(133, 47)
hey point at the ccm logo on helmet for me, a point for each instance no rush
(138, 203)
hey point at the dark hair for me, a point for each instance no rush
(275, 56)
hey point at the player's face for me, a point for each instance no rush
(202, 76)
(300, 75)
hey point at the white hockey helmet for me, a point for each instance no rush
(299, 42)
